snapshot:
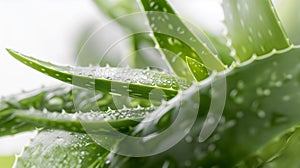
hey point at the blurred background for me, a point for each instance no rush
(54, 31)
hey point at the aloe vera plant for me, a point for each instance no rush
(232, 103)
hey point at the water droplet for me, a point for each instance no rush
(233, 93)
(239, 114)
(188, 139)
(278, 84)
(166, 164)
(239, 100)
(55, 102)
(240, 85)
(211, 147)
(286, 98)
(261, 114)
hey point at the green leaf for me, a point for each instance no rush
(289, 153)
(176, 40)
(119, 119)
(62, 149)
(57, 107)
(135, 82)
(254, 115)
(58, 99)
(280, 151)
(223, 51)
(253, 28)
(198, 69)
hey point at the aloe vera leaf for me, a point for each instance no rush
(58, 99)
(288, 12)
(135, 82)
(9, 125)
(56, 107)
(119, 119)
(253, 115)
(280, 151)
(223, 51)
(288, 155)
(173, 36)
(258, 108)
(62, 149)
(253, 28)
(197, 68)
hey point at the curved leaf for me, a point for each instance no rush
(176, 40)
(57, 107)
(135, 82)
(253, 115)
(62, 149)
(253, 27)
(280, 151)
(119, 119)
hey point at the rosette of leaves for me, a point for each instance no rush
(259, 125)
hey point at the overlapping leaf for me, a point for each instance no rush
(253, 116)
(62, 149)
(57, 107)
(135, 82)
(253, 28)
(177, 41)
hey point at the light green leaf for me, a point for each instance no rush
(176, 40)
(58, 107)
(253, 28)
(280, 151)
(198, 69)
(62, 149)
(119, 119)
(261, 104)
(51, 99)
(135, 82)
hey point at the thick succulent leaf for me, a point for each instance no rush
(222, 50)
(253, 28)
(176, 40)
(198, 69)
(289, 153)
(58, 99)
(57, 107)
(135, 82)
(119, 119)
(279, 152)
(253, 116)
(62, 149)
(9, 124)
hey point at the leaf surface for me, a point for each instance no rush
(253, 28)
